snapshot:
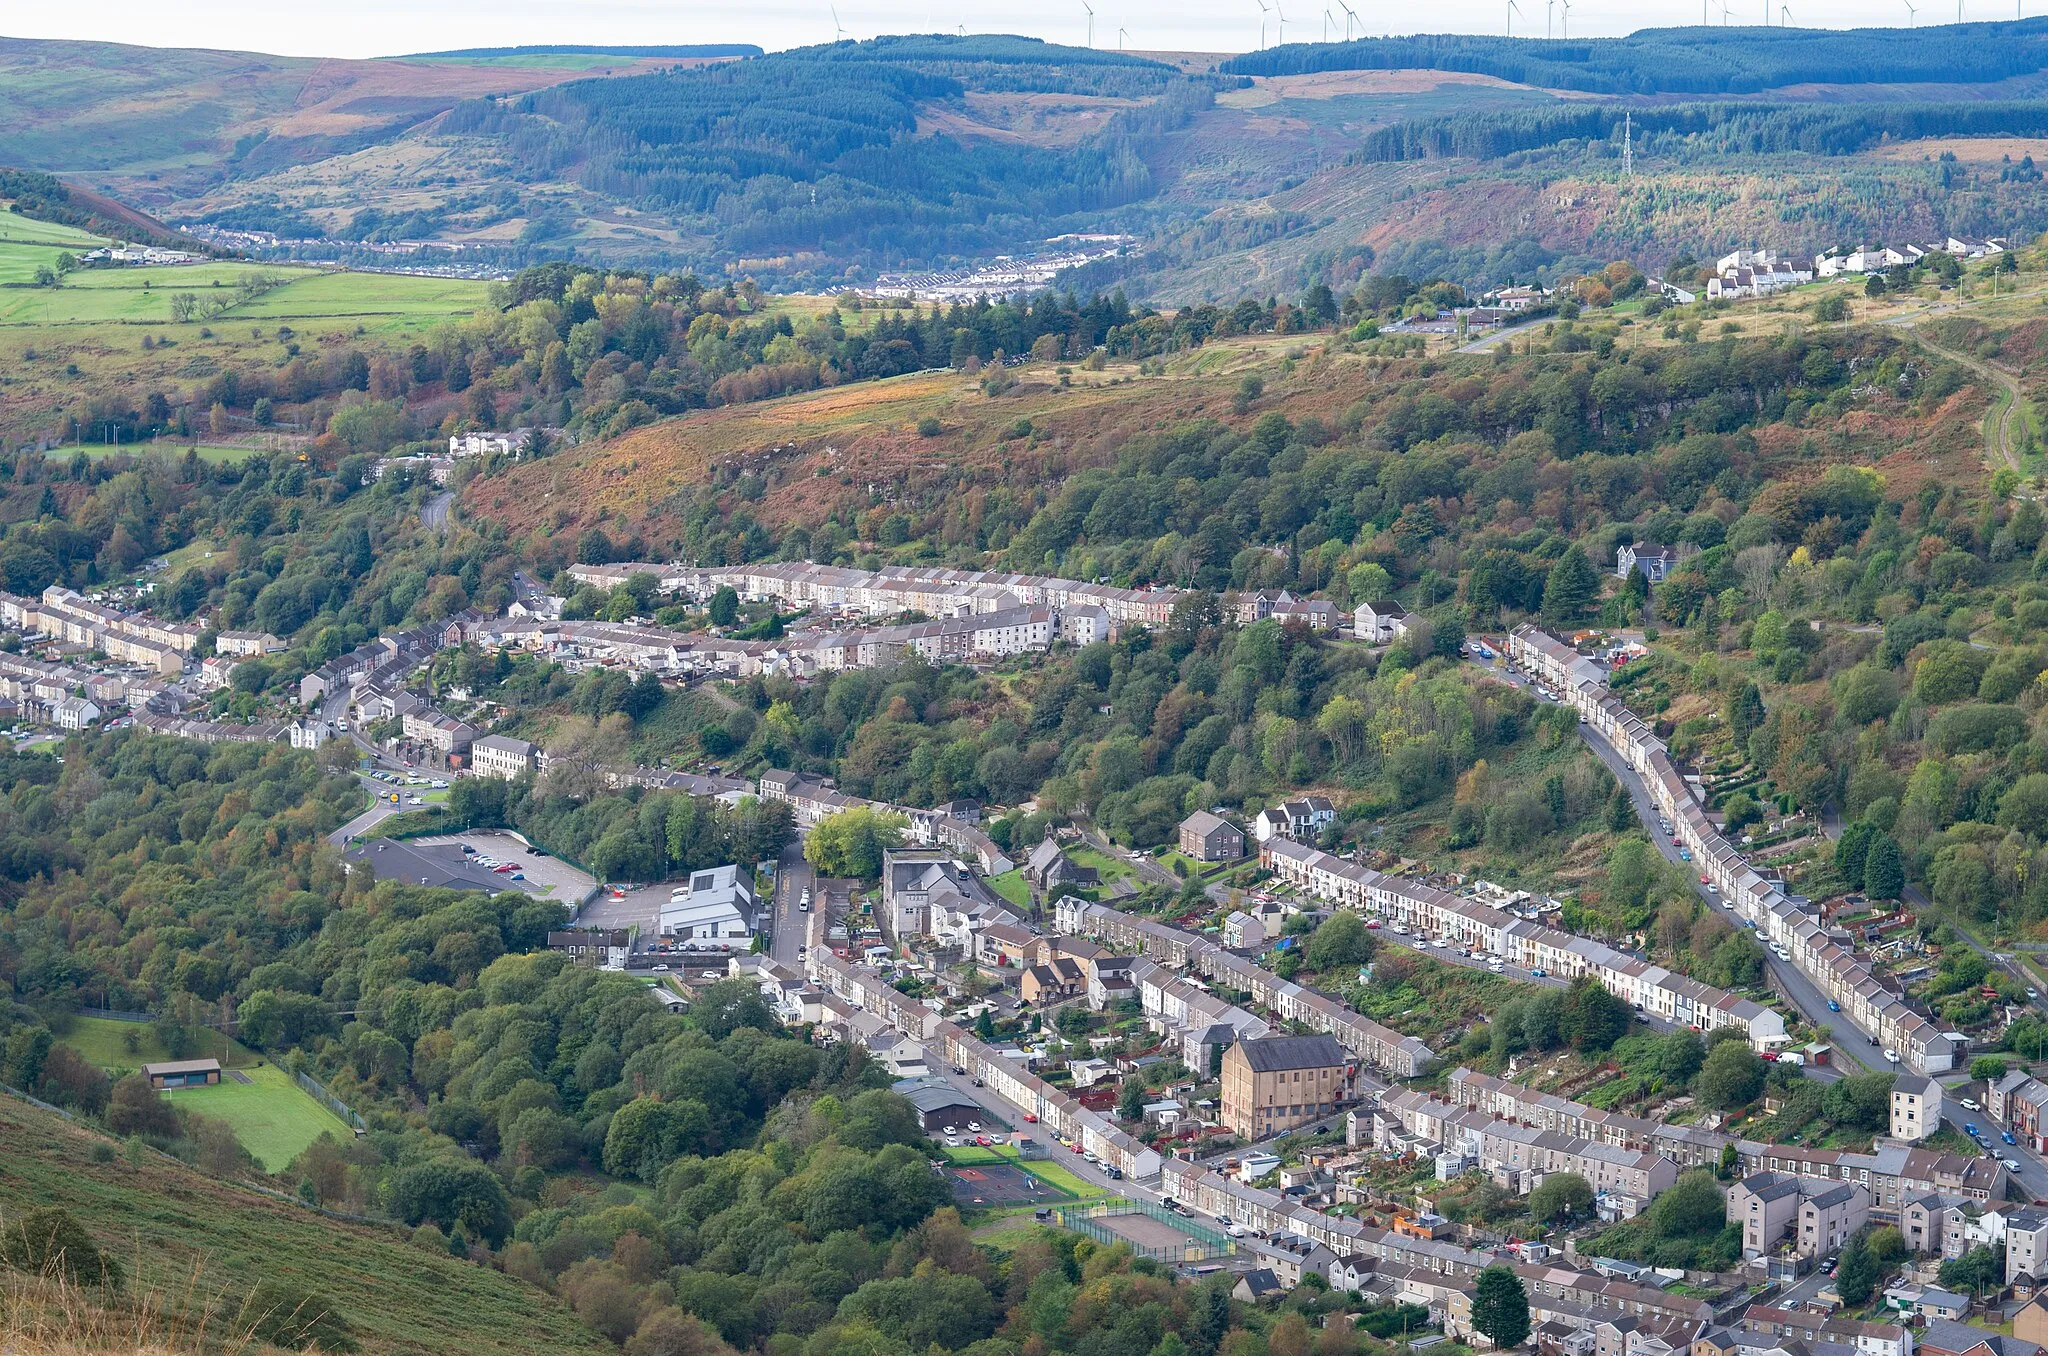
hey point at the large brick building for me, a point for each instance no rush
(1279, 1082)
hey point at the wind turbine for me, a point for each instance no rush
(1350, 17)
(1326, 23)
(1280, 21)
(838, 33)
(1549, 11)
(1121, 34)
(1513, 10)
(1564, 22)
(1912, 15)
(1091, 22)
(1262, 23)
(1784, 16)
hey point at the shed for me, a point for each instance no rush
(183, 1073)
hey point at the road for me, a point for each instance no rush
(369, 819)
(1486, 342)
(1852, 1045)
(793, 879)
(434, 513)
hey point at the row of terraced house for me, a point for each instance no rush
(1373, 1045)
(895, 589)
(1829, 960)
(1647, 988)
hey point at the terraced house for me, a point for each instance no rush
(1784, 919)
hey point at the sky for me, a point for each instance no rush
(365, 28)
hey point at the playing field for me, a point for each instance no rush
(96, 296)
(271, 1116)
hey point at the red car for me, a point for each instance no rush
(1031, 1117)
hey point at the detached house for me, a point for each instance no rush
(1211, 838)
(1379, 623)
(1654, 560)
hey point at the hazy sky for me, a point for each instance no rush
(361, 28)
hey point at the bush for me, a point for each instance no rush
(51, 1244)
(284, 1316)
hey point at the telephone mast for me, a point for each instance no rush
(1628, 148)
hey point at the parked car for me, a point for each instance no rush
(1970, 1104)
(1540, 974)
(2006, 1135)
(1833, 1006)
(1970, 1129)
(2011, 1164)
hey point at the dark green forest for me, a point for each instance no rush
(818, 147)
(1697, 60)
(1717, 131)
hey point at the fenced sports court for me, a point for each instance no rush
(1150, 1230)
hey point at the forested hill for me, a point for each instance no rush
(1701, 60)
(820, 148)
(688, 50)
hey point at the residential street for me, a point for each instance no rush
(1853, 1048)
(792, 927)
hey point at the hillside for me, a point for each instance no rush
(819, 166)
(196, 1244)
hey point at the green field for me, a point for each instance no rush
(96, 296)
(1012, 886)
(104, 1042)
(1107, 867)
(17, 229)
(213, 454)
(1045, 1170)
(271, 1115)
(189, 1240)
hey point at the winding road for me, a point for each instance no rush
(434, 513)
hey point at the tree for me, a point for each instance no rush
(135, 1108)
(1341, 940)
(1856, 1275)
(1884, 875)
(1571, 588)
(1732, 1076)
(851, 842)
(1690, 1207)
(1852, 849)
(1130, 1099)
(451, 1192)
(725, 606)
(1561, 1193)
(1500, 1307)
(1989, 1068)
(1976, 1271)
(1593, 1019)
(1745, 713)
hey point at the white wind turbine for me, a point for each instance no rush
(1912, 15)
(1091, 21)
(1564, 21)
(1513, 10)
(838, 33)
(1262, 23)
(1350, 18)
(1121, 34)
(1280, 23)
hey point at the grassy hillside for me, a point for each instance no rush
(108, 335)
(194, 1241)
